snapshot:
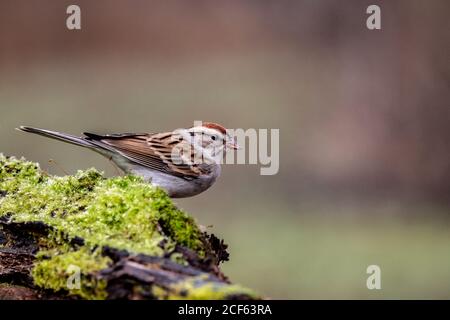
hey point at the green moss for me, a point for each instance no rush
(13, 172)
(198, 288)
(66, 267)
(122, 212)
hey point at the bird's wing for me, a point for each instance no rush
(153, 151)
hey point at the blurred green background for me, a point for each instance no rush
(363, 116)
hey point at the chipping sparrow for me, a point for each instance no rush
(184, 162)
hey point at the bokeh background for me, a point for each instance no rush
(363, 116)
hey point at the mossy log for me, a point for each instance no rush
(89, 237)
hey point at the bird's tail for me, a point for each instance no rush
(58, 136)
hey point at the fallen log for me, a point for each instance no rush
(89, 237)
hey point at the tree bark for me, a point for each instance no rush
(130, 276)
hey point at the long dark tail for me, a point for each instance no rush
(79, 141)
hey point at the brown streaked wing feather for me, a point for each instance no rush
(154, 151)
(162, 144)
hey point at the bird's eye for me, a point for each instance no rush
(214, 137)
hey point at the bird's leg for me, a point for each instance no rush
(51, 161)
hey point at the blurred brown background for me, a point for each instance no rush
(363, 117)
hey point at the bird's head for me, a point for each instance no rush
(211, 135)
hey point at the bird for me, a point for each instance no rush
(183, 162)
